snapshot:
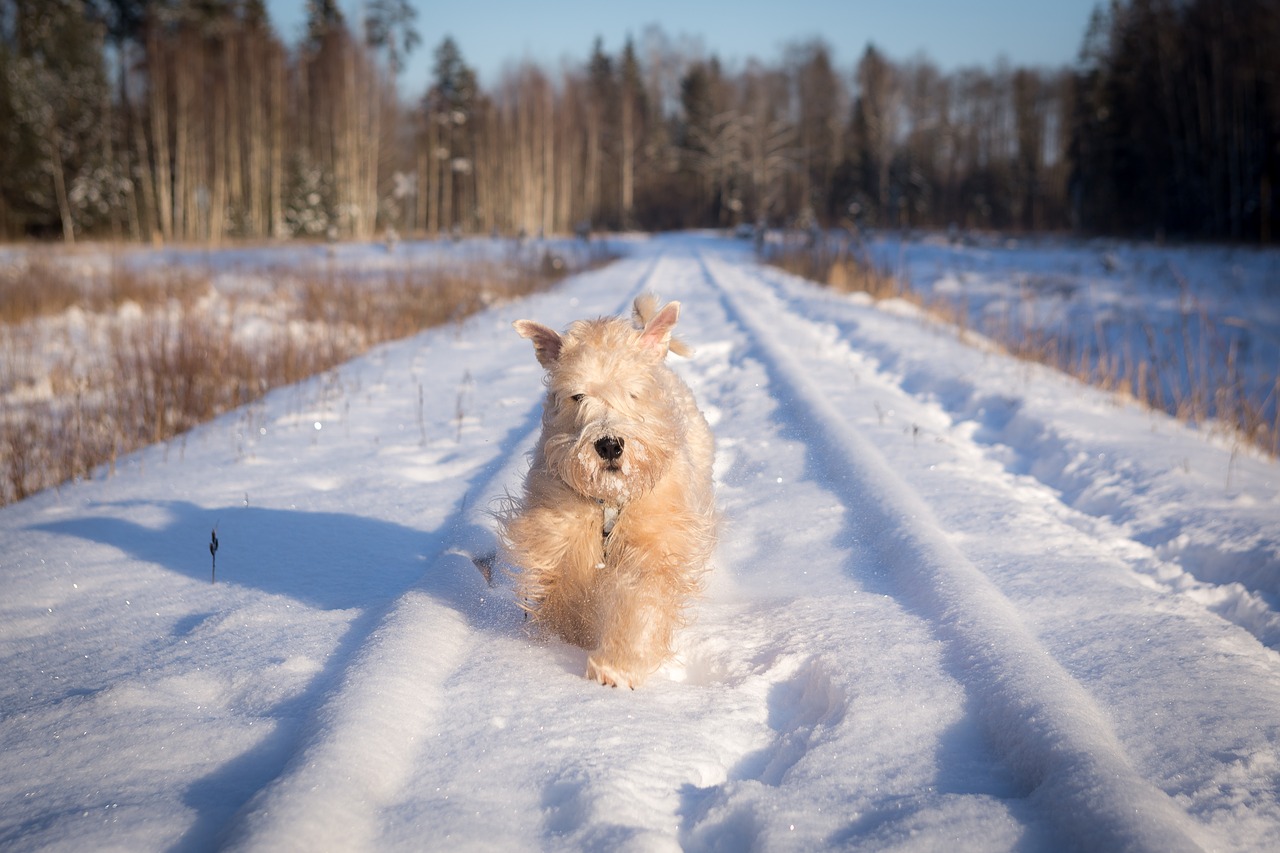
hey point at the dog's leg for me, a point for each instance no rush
(642, 593)
(637, 623)
(558, 558)
(655, 560)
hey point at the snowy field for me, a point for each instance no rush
(105, 349)
(961, 603)
(1194, 330)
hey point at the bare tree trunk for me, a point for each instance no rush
(219, 148)
(157, 61)
(531, 140)
(183, 202)
(627, 162)
(486, 173)
(366, 141)
(277, 143)
(548, 223)
(424, 185)
(431, 177)
(54, 141)
(446, 181)
(229, 190)
(344, 158)
(591, 184)
(255, 217)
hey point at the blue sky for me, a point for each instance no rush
(492, 33)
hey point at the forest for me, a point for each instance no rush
(192, 120)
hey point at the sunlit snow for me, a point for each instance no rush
(961, 602)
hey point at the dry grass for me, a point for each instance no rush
(175, 364)
(34, 287)
(1195, 375)
(40, 285)
(835, 263)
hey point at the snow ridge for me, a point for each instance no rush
(1045, 725)
(333, 793)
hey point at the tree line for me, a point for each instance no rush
(192, 120)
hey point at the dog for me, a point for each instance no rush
(611, 536)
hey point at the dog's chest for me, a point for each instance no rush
(610, 519)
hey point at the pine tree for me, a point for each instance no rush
(448, 108)
(389, 26)
(52, 91)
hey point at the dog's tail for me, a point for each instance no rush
(644, 309)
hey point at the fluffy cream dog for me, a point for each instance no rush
(616, 523)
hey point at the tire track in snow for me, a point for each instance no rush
(1043, 724)
(366, 734)
(766, 703)
(1232, 574)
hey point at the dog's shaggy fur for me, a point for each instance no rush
(612, 534)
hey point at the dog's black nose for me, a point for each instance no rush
(609, 448)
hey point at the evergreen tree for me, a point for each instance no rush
(873, 130)
(450, 134)
(1176, 120)
(603, 133)
(324, 18)
(633, 118)
(455, 82)
(52, 91)
(819, 96)
(389, 26)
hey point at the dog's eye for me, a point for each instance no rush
(577, 398)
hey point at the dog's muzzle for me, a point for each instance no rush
(609, 448)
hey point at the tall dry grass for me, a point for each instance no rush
(42, 285)
(171, 362)
(1192, 372)
(839, 264)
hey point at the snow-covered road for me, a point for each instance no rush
(960, 602)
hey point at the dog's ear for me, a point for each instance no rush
(546, 342)
(642, 310)
(657, 330)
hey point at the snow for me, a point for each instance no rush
(961, 602)
(1206, 314)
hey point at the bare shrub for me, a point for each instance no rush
(124, 284)
(175, 365)
(36, 287)
(39, 285)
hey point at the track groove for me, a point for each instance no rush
(380, 690)
(1043, 723)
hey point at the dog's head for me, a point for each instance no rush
(610, 424)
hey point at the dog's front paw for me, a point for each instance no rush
(604, 672)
